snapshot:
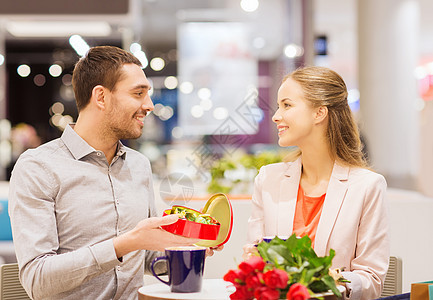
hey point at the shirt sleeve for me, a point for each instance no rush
(160, 268)
(43, 271)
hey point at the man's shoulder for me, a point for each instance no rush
(44, 151)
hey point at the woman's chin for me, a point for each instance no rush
(282, 143)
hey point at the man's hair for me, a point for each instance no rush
(100, 66)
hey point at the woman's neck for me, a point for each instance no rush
(317, 165)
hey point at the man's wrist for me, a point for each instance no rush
(123, 245)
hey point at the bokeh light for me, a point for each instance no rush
(170, 82)
(39, 80)
(157, 64)
(55, 70)
(23, 70)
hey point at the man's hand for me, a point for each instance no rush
(147, 235)
(210, 250)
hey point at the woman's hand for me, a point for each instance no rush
(249, 250)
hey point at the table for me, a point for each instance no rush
(212, 289)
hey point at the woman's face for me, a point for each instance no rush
(295, 116)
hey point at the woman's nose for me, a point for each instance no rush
(276, 117)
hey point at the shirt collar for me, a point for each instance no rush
(79, 148)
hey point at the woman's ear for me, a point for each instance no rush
(321, 114)
(98, 97)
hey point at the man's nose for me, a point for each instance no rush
(148, 104)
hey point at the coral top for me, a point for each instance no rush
(307, 214)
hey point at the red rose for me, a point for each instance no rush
(266, 293)
(298, 292)
(276, 278)
(242, 293)
(234, 276)
(254, 263)
(260, 277)
(252, 281)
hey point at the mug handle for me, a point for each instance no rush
(153, 271)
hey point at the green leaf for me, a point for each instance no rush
(298, 258)
(263, 250)
(318, 286)
(310, 273)
(291, 242)
(330, 282)
(276, 256)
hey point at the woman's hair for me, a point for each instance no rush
(324, 87)
(100, 66)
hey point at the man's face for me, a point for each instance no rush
(129, 103)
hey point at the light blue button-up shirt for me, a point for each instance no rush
(66, 205)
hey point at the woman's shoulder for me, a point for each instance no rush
(366, 175)
(276, 167)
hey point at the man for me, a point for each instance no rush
(82, 206)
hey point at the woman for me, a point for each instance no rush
(326, 190)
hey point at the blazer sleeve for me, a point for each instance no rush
(370, 264)
(256, 220)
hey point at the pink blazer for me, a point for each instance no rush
(353, 221)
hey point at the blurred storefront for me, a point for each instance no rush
(215, 67)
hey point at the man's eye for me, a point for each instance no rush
(140, 93)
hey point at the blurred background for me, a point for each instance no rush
(215, 67)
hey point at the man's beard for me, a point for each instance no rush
(120, 128)
(124, 133)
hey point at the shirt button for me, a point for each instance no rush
(98, 153)
(118, 268)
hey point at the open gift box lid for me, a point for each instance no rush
(220, 208)
(210, 235)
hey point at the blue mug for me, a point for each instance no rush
(267, 239)
(185, 267)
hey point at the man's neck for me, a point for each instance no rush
(92, 134)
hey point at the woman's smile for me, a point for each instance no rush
(282, 129)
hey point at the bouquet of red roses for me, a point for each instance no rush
(288, 269)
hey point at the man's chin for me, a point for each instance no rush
(131, 135)
(135, 136)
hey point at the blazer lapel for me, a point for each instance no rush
(334, 198)
(288, 195)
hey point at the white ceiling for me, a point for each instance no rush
(154, 22)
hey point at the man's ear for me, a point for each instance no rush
(98, 97)
(321, 114)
